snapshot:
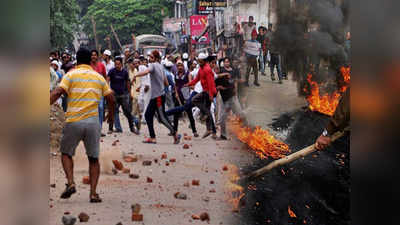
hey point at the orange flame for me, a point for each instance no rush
(261, 141)
(326, 103)
(291, 213)
(234, 192)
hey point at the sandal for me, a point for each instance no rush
(69, 190)
(95, 198)
(178, 139)
(206, 134)
(149, 141)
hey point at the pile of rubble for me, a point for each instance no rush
(56, 125)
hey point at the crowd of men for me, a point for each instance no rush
(203, 87)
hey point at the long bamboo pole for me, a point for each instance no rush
(290, 158)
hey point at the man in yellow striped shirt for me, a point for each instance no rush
(84, 88)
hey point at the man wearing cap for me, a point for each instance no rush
(204, 99)
(185, 58)
(108, 61)
(84, 87)
(252, 49)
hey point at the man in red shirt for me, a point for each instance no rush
(204, 99)
(101, 69)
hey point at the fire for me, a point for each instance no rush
(261, 141)
(291, 213)
(326, 103)
(234, 192)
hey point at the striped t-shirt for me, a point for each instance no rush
(84, 87)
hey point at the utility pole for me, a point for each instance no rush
(214, 28)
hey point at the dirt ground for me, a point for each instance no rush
(203, 161)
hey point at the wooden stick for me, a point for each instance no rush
(116, 37)
(290, 158)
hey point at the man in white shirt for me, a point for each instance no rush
(108, 61)
(144, 93)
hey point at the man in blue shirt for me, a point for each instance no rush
(119, 81)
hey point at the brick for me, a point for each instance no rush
(195, 217)
(186, 146)
(134, 176)
(129, 159)
(83, 217)
(186, 184)
(225, 168)
(187, 138)
(136, 208)
(212, 182)
(179, 195)
(195, 182)
(86, 180)
(155, 160)
(53, 185)
(164, 156)
(126, 170)
(212, 190)
(118, 165)
(172, 160)
(167, 163)
(204, 217)
(149, 180)
(137, 217)
(146, 163)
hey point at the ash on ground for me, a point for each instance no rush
(316, 188)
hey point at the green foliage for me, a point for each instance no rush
(63, 22)
(127, 17)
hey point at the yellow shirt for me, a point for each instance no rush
(84, 87)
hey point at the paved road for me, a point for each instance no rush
(202, 161)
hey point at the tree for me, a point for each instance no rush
(63, 22)
(127, 17)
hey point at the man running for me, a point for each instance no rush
(84, 87)
(158, 81)
(204, 99)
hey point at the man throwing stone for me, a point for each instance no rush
(84, 88)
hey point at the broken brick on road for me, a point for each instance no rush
(118, 165)
(86, 180)
(146, 163)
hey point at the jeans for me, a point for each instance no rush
(64, 102)
(123, 100)
(202, 101)
(177, 114)
(275, 62)
(157, 106)
(261, 62)
(252, 65)
(101, 111)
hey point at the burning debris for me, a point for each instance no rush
(261, 141)
(326, 103)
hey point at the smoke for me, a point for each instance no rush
(310, 35)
